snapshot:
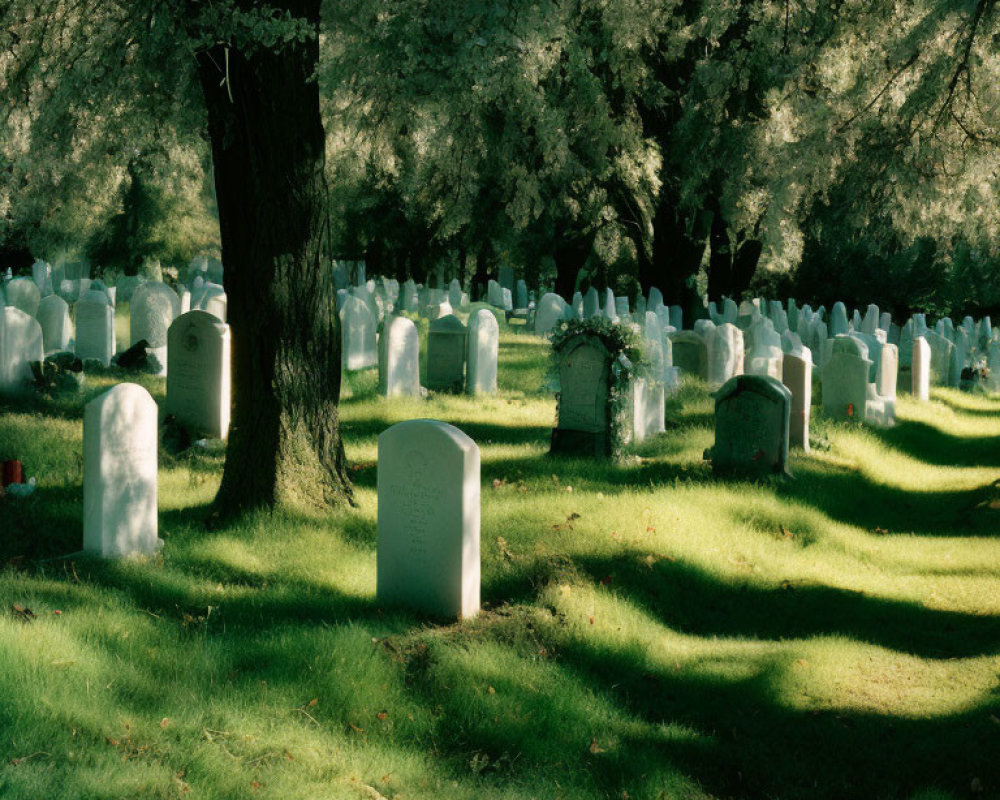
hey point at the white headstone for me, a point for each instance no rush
(198, 373)
(428, 519)
(57, 330)
(154, 306)
(845, 380)
(20, 344)
(95, 327)
(920, 369)
(119, 473)
(551, 310)
(358, 331)
(725, 354)
(22, 293)
(399, 359)
(483, 344)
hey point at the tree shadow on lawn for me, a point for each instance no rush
(852, 498)
(760, 745)
(931, 445)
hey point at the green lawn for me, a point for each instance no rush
(648, 631)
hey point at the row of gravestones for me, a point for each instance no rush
(458, 357)
(197, 355)
(153, 307)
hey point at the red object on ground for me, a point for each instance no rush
(11, 472)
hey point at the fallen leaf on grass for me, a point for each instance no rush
(23, 612)
(594, 747)
(382, 715)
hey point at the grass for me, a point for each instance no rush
(648, 631)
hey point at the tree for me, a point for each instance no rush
(249, 69)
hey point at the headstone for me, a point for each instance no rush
(621, 307)
(838, 320)
(198, 377)
(870, 322)
(920, 369)
(20, 344)
(505, 277)
(408, 303)
(494, 294)
(591, 303)
(655, 299)
(648, 408)
(942, 356)
(765, 356)
(690, 353)
(725, 354)
(577, 306)
(796, 374)
(428, 519)
(119, 473)
(730, 311)
(95, 327)
(154, 306)
(888, 371)
(610, 311)
(22, 293)
(677, 317)
(446, 355)
(483, 348)
(57, 330)
(521, 295)
(845, 380)
(551, 310)
(41, 273)
(583, 425)
(751, 426)
(213, 300)
(455, 293)
(358, 331)
(399, 359)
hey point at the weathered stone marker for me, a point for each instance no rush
(428, 519)
(583, 425)
(198, 377)
(119, 473)
(751, 426)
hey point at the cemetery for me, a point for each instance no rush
(563, 563)
(592, 400)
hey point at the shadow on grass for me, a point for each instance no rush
(852, 498)
(933, 446)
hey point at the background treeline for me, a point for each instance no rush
(828, 151)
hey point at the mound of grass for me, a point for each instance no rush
(648, 631)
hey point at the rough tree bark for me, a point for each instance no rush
(268, 152)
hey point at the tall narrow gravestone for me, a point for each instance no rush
(751, 426)
(483, 344)
(399, 359)
(583, 424)
(198, 382)
(796, 374)
(446, 355)
(920, 369)
(358, 335)
(95, 327)
(428, 519)
(119, 473)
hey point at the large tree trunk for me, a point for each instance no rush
(570, 251)
(678, 247)
(268, 151)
